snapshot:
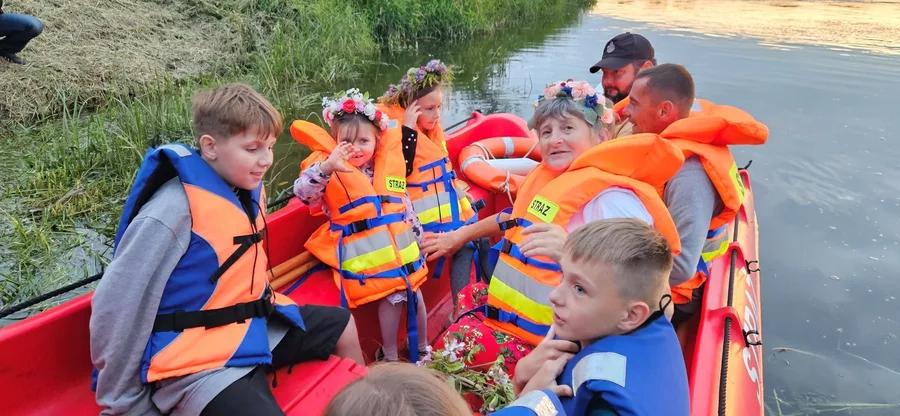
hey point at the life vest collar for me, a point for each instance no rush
(718, 125)
(313, 136)
(643, 157)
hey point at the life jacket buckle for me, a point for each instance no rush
(511, 223)
(358, 226)
(178, 316)
(408, 268)
(506, 247)
(479, 204)
(492, 312)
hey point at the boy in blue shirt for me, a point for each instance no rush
(624, 357)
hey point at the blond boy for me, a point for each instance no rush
(611, 349)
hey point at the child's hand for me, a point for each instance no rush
(337, 160)
(544, 240)
(411, 116)
(546, 377)
(549, 349)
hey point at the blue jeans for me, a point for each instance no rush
(16, 30)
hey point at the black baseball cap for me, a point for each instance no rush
(623, 50)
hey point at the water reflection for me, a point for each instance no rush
(842, 26)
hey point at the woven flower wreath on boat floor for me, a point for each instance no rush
(488, 391)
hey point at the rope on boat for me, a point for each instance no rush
(86, 281)
(504, 187)
(52, 294)
(534, 146)
(487, 153)
(726, 344)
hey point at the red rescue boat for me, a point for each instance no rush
(45, 362)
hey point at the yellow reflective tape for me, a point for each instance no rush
(708, 256)
(395, 184)
(523, 306)
(543, 209)
(434, 214)
(409, 253)
(369, 260)
(363, 246)
(738, 181)
(464, 203)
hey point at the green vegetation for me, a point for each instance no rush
(108, 79)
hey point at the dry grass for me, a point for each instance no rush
(90, 51)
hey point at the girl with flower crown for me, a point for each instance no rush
(583, 177)
(356, 177)
(441, 201)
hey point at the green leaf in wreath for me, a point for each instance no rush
(456, 367)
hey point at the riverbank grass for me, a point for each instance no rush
(107, 79)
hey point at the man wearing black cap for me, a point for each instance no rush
(623, 57)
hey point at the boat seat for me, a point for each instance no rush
(65, 374)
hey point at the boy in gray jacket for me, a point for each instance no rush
(183, 321)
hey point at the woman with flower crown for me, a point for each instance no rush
(441, 202)
(583, 177)
(356, 177)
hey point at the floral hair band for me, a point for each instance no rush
(350, 102)
(433, 73)
(581, 93)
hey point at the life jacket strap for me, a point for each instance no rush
(368, 224)
(500, 315)
(442, 162)
(446, 177)
(441, 227)
(245, 241)
(512, 249)
(314, 269)
(180, 320)
(402, 271)
(375, 200)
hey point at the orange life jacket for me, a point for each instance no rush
(619, 107)
(518, 294)
(371, 249)
(213, 310)
(707, 133)
(432, 185)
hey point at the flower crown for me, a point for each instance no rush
(350, 102)
(432, 73)
(580, 92)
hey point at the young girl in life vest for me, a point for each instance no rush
(440, 200)
(356, 177)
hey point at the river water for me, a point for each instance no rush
(824, 78)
